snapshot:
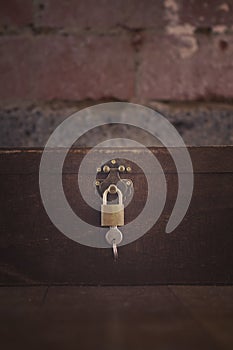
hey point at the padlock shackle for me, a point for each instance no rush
(118, 191)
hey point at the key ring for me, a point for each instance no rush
(114, 247)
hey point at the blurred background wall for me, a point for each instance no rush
(59, 56)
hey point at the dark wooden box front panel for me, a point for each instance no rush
(199, 251)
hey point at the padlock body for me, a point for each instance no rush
(112, 215)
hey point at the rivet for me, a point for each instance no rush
(106, 169)
(113, 161)
(121, 168)
(128, 183)
(98, 170)
(97, 183)
(129, 169)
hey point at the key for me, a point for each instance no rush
(114, 248)
(114, 237)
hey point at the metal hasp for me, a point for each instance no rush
(110, 173)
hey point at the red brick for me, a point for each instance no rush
(102, 14)
(59, 67)
(206, 13)
(173, 68)
(15, 72)
(16, 13)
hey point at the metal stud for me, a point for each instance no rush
(121, 168)
(106, 169)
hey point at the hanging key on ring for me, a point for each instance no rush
(114, 237)
(113, 215)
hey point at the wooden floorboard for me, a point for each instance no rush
(122, 318)
(212, 307)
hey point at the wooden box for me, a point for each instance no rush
(199, 251)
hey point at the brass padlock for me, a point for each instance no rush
(112, 214)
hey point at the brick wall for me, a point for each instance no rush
(58, 56)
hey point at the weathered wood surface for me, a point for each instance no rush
(199, 251)
(125, 318)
